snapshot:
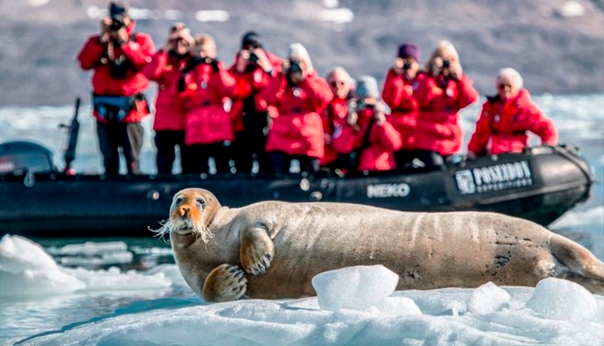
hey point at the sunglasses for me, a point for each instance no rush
(502, 86)
(337, 83)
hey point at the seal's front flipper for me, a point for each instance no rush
(257, 250)
(225, 283)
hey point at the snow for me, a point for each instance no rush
(356, 306)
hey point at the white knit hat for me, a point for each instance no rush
(367, 87)
(297, 50)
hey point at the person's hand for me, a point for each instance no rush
(379, 111)
(263, 60)
(105, 29)
(243, 59)
(455, 71)
(397, 67)
(121, 36)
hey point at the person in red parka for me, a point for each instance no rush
(253, 69)
(507, 117)
(441, 94)
(401, 81)
(169, 122)
(117, 56)
(335, 116)
(368, 136)
(207, 87)
(298, 97)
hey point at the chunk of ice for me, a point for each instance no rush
(560, 299)
(356, 288)
(488, 298)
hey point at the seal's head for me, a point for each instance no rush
(191, 213)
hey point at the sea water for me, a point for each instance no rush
(122, 274)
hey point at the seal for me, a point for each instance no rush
(272, 250)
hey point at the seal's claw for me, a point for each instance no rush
(257, 251)
(226, 282)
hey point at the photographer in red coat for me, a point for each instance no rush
(298, 97)
(207, 87)
(401, 81)
(169, 122)
(441, 94)
(117, 56)
(253, 69)
(507, 117)
(335, 116)
(368, 137)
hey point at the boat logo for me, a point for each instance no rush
(388, 190)
(494, 178)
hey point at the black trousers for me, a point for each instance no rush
(195, 158)
(249, 145)
(166, 142)
(116, 135)
(282, 162)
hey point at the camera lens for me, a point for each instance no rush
(253, 57)
(406, 65)
(446, 63)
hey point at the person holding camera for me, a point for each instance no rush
(506, 118)
(297, 97)
(253, 69)
(206, 87)
(368, 137)
(441, 94)
(169, 122)
(117, 56)
(401, 81)
(335, 117)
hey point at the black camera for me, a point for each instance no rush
(446, 63)
(294, 66)
(117, 22)
(361, 105)
(406, 65)
(253, 57)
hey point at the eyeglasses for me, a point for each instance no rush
(502, 86)
(337, 83)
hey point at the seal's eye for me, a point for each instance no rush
(200, 201)
(178, 200)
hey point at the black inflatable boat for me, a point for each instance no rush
(36, 199)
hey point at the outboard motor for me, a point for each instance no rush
(20, 157)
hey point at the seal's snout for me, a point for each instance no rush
(185, 211)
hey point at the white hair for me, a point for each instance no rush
(513, 74)
(297, 50)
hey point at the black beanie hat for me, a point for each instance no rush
(251, 39)
(117, 8)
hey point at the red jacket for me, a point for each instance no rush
(440, 101)
(205, 98)
(334, 118)
(137, 51)
(169, 109)
(383, 141)
(297, 128)
(502, 126)
(250, 83)
(397, 93)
